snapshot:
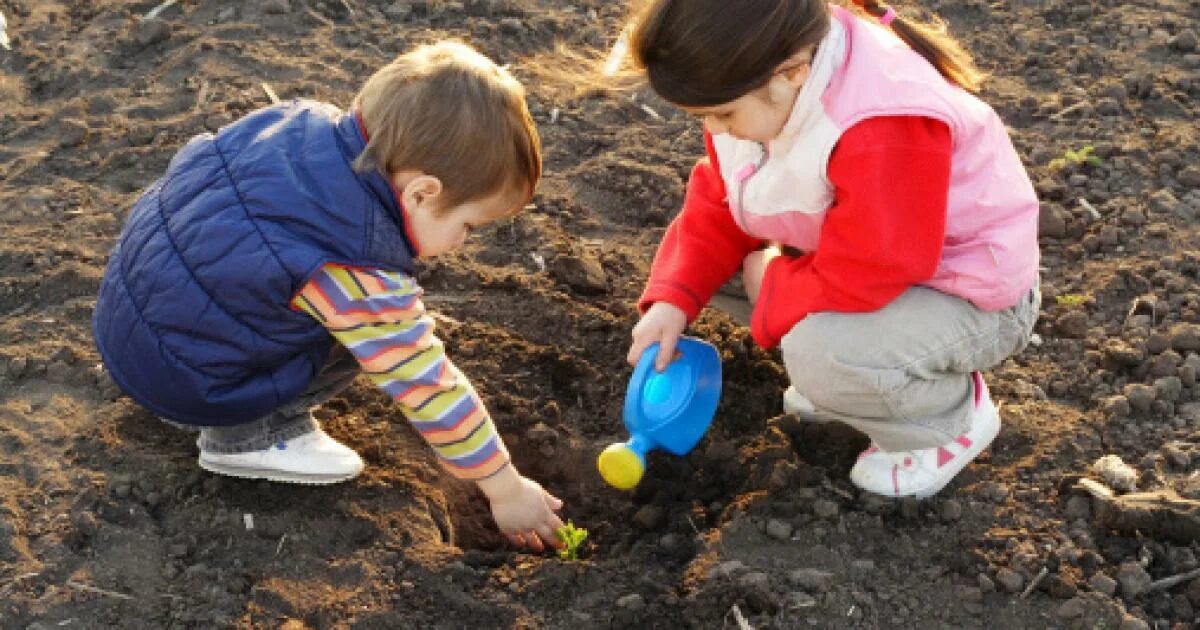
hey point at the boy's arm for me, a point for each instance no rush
(883, 235)
(379, 317)
(703, 246)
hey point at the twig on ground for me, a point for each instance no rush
(201, 95)
(98, 591)
(153, 13)
(279, 547)
(1168, 582)
(270, 93)
(650, 112)
(1034, 582)
(445, 319)
(740, 619)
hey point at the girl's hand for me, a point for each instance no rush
(522, 509)
(753, 268)
(662, 323)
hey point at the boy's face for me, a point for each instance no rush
(438, 231)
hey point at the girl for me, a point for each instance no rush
(854, 143)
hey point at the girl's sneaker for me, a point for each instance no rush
(796, 403)
(312, 458)
(923, 472)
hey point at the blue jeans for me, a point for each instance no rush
(289, 421)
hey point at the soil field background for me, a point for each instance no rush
(106, 521)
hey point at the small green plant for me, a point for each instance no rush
(572, 538)
(1082, 156)
(1071, 299)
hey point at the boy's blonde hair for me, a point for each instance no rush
(448, 111)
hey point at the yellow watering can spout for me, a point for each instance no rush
(621, 466)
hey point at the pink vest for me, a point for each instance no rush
(990, 253)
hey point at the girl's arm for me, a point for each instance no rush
(703, 246)
(883, 235)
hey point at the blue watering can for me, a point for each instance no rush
(670, 410)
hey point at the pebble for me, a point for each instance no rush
(779, 529)
(951, 510)
(729, 568)
(1072, 324)
(986, 585)
(649, 517)
(1176, 456)
(1121, 353)
(1141, 397)
(1116, 473)
(800, 600)
(1133, 579)
(824, 508)
(1079, 507)
(1193, 592)
(1057, 587)
(150, 32)
(814, 580)
(17, 367)
(1168, 388)
(633, 601)
(1185, 337)
(755, 580)
(1103, 584)
(1009, 580)
(1071, 609)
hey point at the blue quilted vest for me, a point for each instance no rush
(193, 318)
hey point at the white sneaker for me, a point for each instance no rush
(922, 473)
(312, 458)
(795, 403)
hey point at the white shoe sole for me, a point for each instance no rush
(960, 462)
(277, 475)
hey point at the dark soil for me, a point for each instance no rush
(106, 521)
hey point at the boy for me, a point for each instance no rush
(270, 249)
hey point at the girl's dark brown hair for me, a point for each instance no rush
(700, 53)
(934, 44)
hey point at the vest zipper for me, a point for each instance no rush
(744, 176)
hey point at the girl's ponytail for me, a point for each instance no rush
(932, 42)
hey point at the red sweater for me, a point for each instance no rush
(883, 234)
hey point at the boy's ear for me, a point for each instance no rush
(421, 189)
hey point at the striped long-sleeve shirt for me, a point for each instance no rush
(378, 315)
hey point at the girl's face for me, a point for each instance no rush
(760, 115)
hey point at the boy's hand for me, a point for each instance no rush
(662, 323)
(523, 510)
(753, 268)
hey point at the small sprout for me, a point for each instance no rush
(572, 538)
(1082, 156)
(1071, 299)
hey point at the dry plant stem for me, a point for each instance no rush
(740, 619)
(1034, 582)
(1161, 514)
(1174, 580)
(270, 93)
(98, 591)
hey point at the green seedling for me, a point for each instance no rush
(1082, 156)
(572, 539)
(1071, 299)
